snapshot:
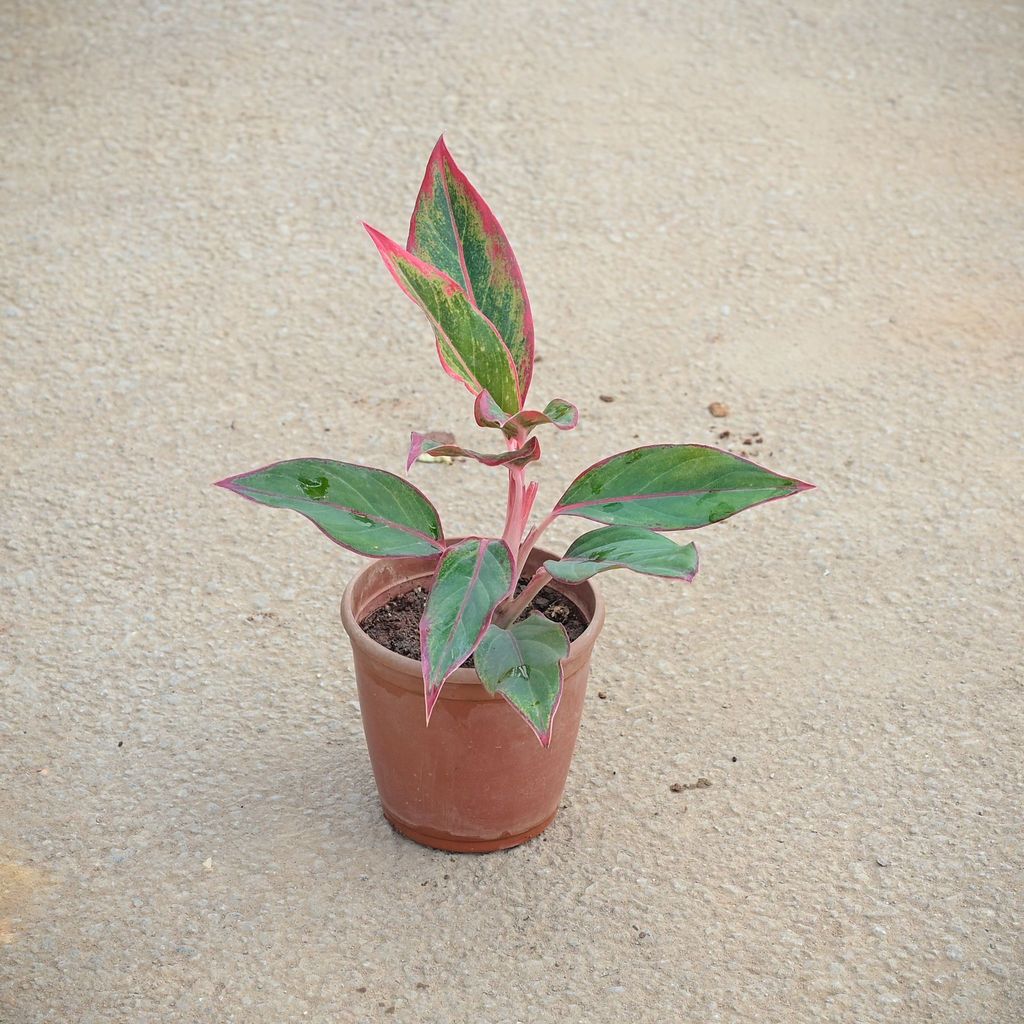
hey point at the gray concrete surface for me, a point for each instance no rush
(811, 212)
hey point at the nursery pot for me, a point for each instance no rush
(475, 779)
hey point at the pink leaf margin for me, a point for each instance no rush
(229, 483)
(545, 737)
(432, 693)
(418, 443)
(389, 250)
(440, 159)
(799, 486)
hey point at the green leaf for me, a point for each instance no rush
(366, 510)
(624, 547)
(672, 487)
(470, 348)
(454, 230)
(523, 664)
(472, 578)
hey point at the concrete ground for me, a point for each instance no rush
(810, 212)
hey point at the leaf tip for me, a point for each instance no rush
(415, 449)
(379, 239)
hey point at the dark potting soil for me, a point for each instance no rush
(396, 625)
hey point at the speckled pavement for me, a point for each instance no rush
(810, 212)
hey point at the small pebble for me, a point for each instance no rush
(607, 398)
(601, 695)
(718, 409)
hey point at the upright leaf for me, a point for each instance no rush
(672, 487)
(523, 664)
(470, 348)
(472, 578)
(420, 444)
(624, 547)
(453, 229)
(366, 510)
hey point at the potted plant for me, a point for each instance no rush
(472, 654)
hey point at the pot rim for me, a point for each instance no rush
(579, 648)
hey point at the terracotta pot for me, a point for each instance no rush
(476, 779)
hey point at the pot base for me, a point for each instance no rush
(453, 844)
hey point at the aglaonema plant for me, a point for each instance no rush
(458, 267)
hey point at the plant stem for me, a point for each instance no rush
(532, 537)
(513, 609)
(513, 534)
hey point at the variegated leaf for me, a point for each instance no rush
(469, 346)
(558, 412)
(523, 664)
(366, 510)
(672, 487)
(421, 444)
(472, 578)
(624, 547)
(452, 228)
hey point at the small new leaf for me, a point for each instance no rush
(672, 487)
(366, 510)
(558, 412)
(472, 578)
(624, 547)
(421, 444)
(523, 664)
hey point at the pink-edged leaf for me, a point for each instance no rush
(672, 487)
(524, 664)
(624, 547)
(473, 577)
(468, 345)
(558, 412)
(366, 510)
(453, 229)
(487, 412)
(423, 444)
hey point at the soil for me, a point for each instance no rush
(396, 625)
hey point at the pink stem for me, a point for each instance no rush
(513, 534)
(511, 610)
(532, 537)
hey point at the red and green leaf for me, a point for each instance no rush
(524, 664)
(453, 229)
(366, 510)
(472, 579)
(672, 487)
(422, 444)
(624, 547)
(558, 412)
(469, 346)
